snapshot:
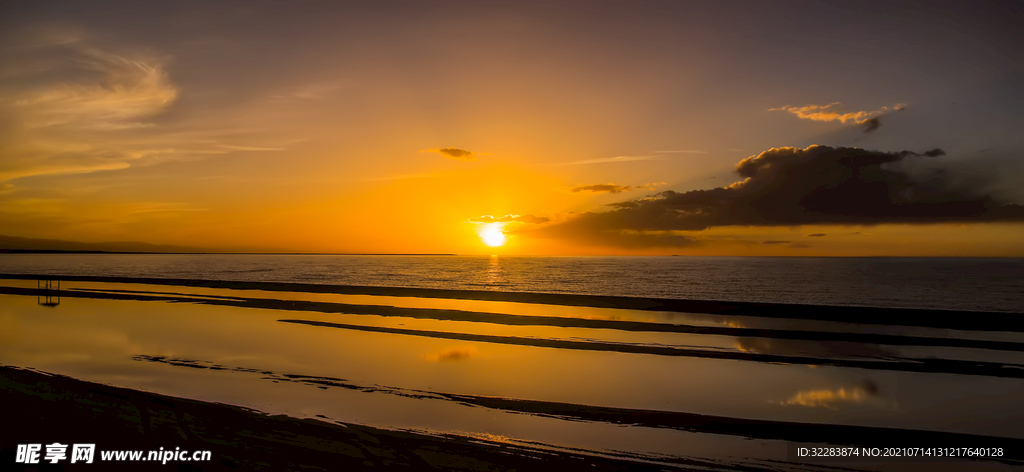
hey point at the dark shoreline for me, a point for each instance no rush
(280, 253)
(197, 253)
(45, 408)
(931, 318)
(50, 408)
(835, 434)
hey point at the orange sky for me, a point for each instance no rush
(375, 128)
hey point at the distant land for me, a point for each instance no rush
(19, 245)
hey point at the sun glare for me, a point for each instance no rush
(493, 236)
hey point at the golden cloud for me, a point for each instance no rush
(835, 112)
(528, 219)
(599, 188)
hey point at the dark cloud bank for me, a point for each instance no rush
(789, 187)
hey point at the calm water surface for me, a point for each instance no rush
(944, 283)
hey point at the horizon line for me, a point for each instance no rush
(212, 253)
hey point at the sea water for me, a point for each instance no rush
(982, 284)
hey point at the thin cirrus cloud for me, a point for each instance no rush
(249, 148)
(790, 186)
(602, 188)
(69, 111)
(835, 112)
(454, 153)
(612, 188)
(611, 159)
(108, 92)
(630, 158)
(317, 91)
(71, 107)
(528, 219)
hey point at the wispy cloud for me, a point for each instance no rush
(248, 148)
(69, 107)
(406, 176)
(307, 92)
(612, 188)
(835, 112)
(454, 153)
(611, 159)
(143, 208)
(602, 188)
(629, 158)
(528, 219)
(108, 92)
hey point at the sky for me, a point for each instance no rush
(521, 127)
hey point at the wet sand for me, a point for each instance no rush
(46, 408)
(698, 423)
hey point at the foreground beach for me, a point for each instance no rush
(52, 408)
(298, 375)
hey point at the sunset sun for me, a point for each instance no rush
(493, 236)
